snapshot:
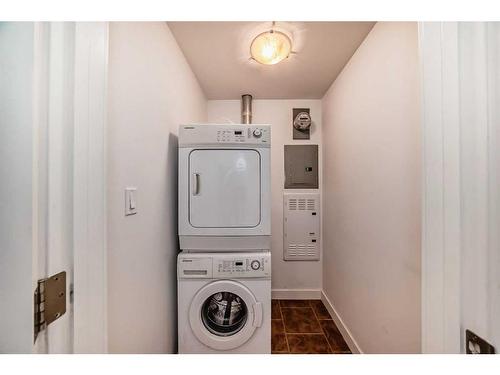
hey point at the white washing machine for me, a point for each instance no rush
(224, 187)
(224, 302)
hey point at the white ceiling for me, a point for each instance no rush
(218, 53)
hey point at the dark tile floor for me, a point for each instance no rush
(304, 327)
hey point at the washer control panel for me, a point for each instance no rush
(235, 134)
(224, 265)
(256, 266)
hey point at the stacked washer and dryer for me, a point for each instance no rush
(224, 268)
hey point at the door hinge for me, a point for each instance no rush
(50, 301)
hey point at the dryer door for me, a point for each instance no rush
(224, 188)
(224, 315)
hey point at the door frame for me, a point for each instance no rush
(461, 200)
(83, 94)
(90, 184)
(53, 110)
(441, 202)
(86, 112)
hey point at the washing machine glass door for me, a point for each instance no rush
(225, 314)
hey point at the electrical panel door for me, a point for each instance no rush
(301, 166)
(301, 226)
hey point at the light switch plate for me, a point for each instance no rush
(130, 201)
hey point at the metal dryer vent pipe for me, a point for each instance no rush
(246, 109)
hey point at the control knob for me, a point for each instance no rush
(257, 133)
(255, 265)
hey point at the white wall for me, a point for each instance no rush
(151, 91)
(296, 276)
(16, 168)
(372, 191)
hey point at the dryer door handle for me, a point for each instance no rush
(257, 314)
(196, 183)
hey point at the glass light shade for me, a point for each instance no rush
(271, 47)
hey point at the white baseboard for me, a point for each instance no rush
(296, 293)
(346, 334)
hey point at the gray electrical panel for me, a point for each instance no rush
(301, 166)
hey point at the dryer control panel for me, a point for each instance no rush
(230, 134)
(224, 266)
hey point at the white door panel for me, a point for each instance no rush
(36, 241)
(53, 179)
(17, 230)
(224, 188)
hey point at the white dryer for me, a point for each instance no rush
(224, 187)
(224, 302)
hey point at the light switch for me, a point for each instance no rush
(130, 201)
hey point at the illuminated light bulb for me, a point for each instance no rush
(270, 47)
(267, 51)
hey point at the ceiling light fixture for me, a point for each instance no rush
(271, 47)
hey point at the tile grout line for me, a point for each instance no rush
(331, 319)
(284, 327)
(307, 305)
(321, 333)
(321, 328)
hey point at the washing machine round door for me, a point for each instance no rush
(224, 315)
